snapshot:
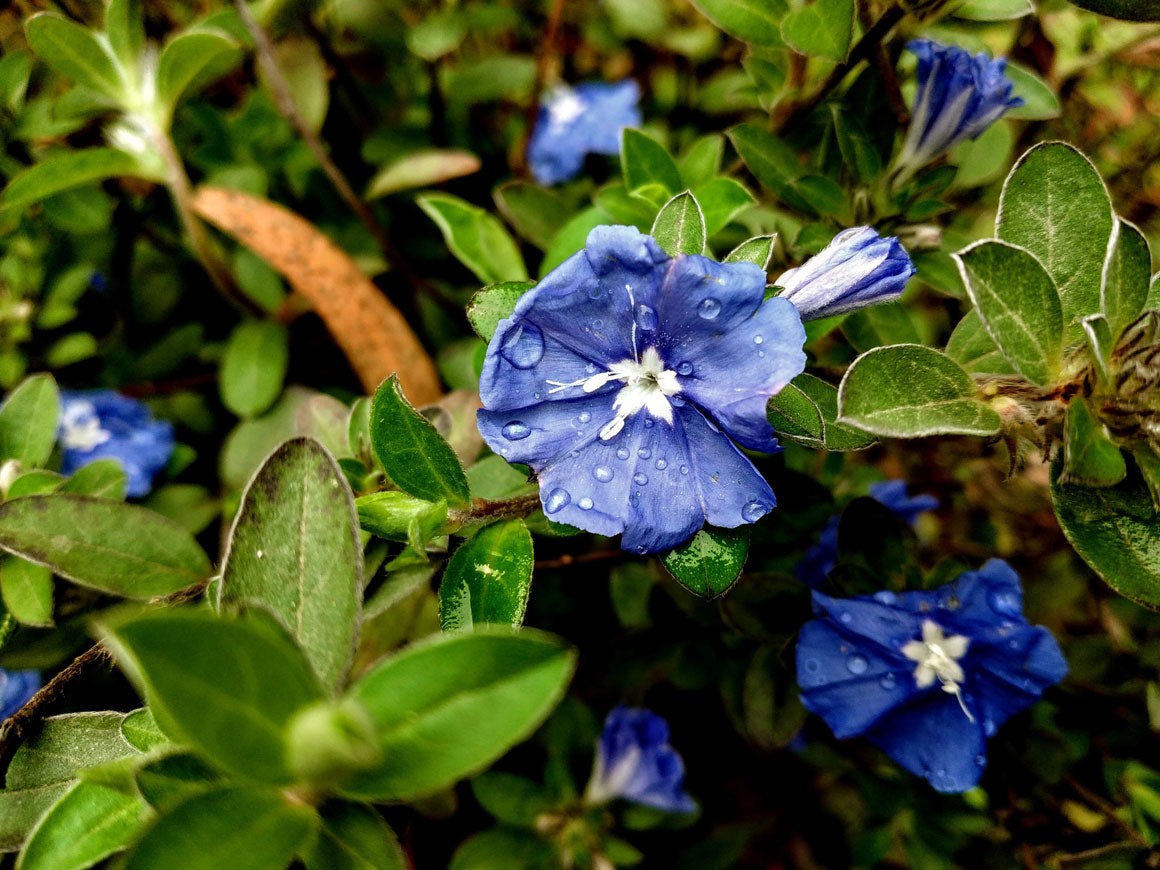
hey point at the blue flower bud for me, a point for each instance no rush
(959, 96)
(858, 268)
(634, 761)
(16, 687)
(575, 122)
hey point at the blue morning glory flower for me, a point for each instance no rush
(958, 97)
(928, 676)
(102, 424)
(575, 122)
(634, 761)
(819, 560)
(16, 687)
(858, 268)
(620, 379)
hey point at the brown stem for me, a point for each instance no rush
(520, 506)
(885, 68)
(543, 64)
(579, 559)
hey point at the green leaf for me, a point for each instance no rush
(1149, 465)
(295, 551)
(877, 325)
(535, 213)
(73, 51)
(412, 453)
(104, 478)
(1089, 456)
(1126, 276)
(645, 161)
(488, 578)
(993, 10)
(822, 29)
(394, 515)
(228, 686)
(858, 149)
(1055, 205)
(980, 161)
(1116, 530)
(424, 168)
(140, 730)
(190, 60)
(701, 161)
(511, 799)
(680, 226)
(254, 367)
(85, 826)
(503, 684)
(307, 76)
(973, 348)
(774, 163)
(231, 826)
(108, 545)
(354, 837)
(65, 170)
(721, 199)
(629, 209)
(492, 304)
(710, 562)
(126, 31)
(1018, 304)
(28, 422)
(27, 590)
(758, 250)
(1128, 10)
(65, 746)
(572, 237)
(1040, 102)
(477, 239)
(838, 436)
(754, 21)
(796, 417)
(22, 808)
(1099, 340)
(910, 391)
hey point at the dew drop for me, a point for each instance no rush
(640, 478)
(1005, 602)
(857, 664)
(981, 760)
(584, 417)
(523, 346)
(709, 308)
(757, 339)
(644, 453)
(989, 727)
(602, 473)
(585, 504)
(515, 431)
(885, 597)
(556, 500)
(676, 401)
(812, 665)
(590, 369)
(649, 422)
(845, 618)
(753, 511)
(622, 453)
(646, 317)
(888, 681)
(684, 469)
(685, 368)
(761, 354)
(661, 465)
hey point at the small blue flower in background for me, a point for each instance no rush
(620, 379)
(102, 424)
(959, 96)
(858, 268)
(928, 676)
(634, 761)
(575, 122)
(16, 687)
(819, 560)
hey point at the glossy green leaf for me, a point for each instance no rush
(488, 579)
(231, 826)
(1128, 10)
(1018, 305)
(910, 391)
(354, 837)
(103, 544)
(75, 52)
(141, 731)
(645, 161)
(412, 453)
(1126, 277)
(774, 163)
(27, 590)
(192, 59)
(680, 226)
(758, 250)
(88, 824)
(503, 684)
(424, 168)
(701, 161)
(710, 562)
(1116, 530)
(65, 170)
(295, 551)
(492, 304)
(721, 199)
(534, 212)
(822, 29)
(754, 21)
(1055, 205)
(1089, 456)
(254, 367)
(28, 422)
(477, 238)
(228, 686)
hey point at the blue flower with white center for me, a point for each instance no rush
(16, 687)
(856, 269)
(620, 379)
(634, 761)
(958, 97)
(576, 122)
(819, 560)
(102, 424)
(928, 676)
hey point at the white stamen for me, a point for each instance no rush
(81, 427)
(564, 106)
(937, 656)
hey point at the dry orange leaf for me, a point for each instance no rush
(371, 332)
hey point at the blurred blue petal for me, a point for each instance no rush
(16, 687)
(102, 424)
(575, 122)
(634, 761)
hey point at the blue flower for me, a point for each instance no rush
(928, 676)
(102, 424)
(858, 268)
(819, 560)
(575, 122)
(634, 761)
(958, 97)
(16, 687)
(620, 379)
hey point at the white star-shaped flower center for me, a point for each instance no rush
(81, 428)
(565, 106)
(938, 658)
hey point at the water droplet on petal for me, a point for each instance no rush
(556, 500)
(649, 422)
(585, 504)
(640, 478)
(590, 369)
(602, 473)
(644, 453)
(753, 511)
(646, 317)
(888, 681)
(515, 431)
(812, 665)
(523, 346)
(989, 727)
(1005, 602)
(981, 760)
(684, 469)
(857, 664)
(885, 597)
(676, 401)
(661, 465)
(622, 453)
(757, 339)
(845, 618)
(685, 368)
(585, 417)
(709, 308)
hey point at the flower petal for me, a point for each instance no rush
(1010, 673)
(539, 434)
(932, 737)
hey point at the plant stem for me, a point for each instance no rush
(481, 509)
(543, 63)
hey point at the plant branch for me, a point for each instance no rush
(543, 64)
(481, 509)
